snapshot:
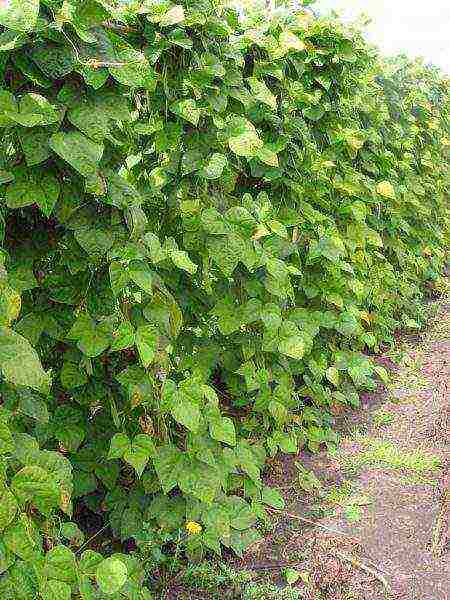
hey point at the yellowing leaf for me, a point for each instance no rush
(19, 15)
(173, 16)
(267, 156)
(290, 41)
(386, 189)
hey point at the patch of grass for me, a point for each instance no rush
(382, 417)
(418, 479)
(268, 591)
(217, 579)
(384, 454)
(349, 499)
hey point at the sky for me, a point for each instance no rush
(413, 27)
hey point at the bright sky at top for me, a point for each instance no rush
(413, 27)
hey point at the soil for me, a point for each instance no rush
(381, 521)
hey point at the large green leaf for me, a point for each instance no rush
(186, 413)
(37, 486)
(147, 343)
(8, 507)
(134, 70)
(222, 429)
(56, 590)
(243, 138)
(19, 362)
(78, 150)
(34, 110)
(19, 15)
(188, 110)
(22, 539)
(31, 187)
(60, 564)
(111, 575)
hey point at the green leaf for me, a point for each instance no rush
(156, 253)
(123, 337)
(95, 115)
(10, 305)
(94, 339)
(142, 275)
(7, 558)
(140, 452)
(244, 139)
(19, 15)
(261, 92)
(186, 413)
(93, 240)
(7, 445)
(87, 589)
(60, 564)
(181, 260)
(7, 105)
(187, 109)
(11, 39)
(120, 443)
(78, 150)
(241, 515)
(386, 189)
(169, 463)
(332, 374)
(111, 575)
(38, 486)
(72, 376)
(56, 590)
(215, 165)
(272, 497)
(29, 188)
(34, 110)
(119, 277)
(8, 507)
(199, 480)
(72, 532)
(292, 346)
(35, 146)
(291, 575)
(147, 343)
(20, 363)
(22, 539)
(134, 70)
(267, 156)
(222, 429)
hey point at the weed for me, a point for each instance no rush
(268, 591)
(381, 417)
(385, 454)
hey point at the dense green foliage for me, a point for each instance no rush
(206, 231)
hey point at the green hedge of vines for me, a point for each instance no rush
(207, 229)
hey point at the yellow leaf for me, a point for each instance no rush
(386, 189)
(260, 232)
(192, 527)
(290, 41)
(364, 316)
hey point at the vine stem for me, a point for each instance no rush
(357, 563)
(91, 538)
(309, 521)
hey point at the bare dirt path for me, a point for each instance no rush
(381, 500)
